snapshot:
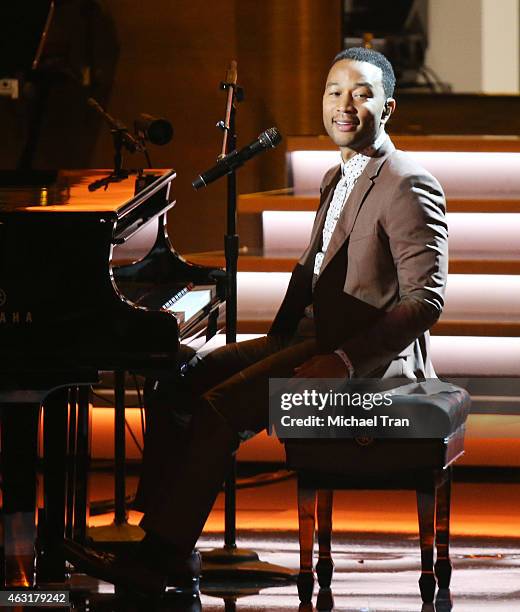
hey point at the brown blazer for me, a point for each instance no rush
(382, 282)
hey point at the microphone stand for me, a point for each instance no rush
(121, 138)
(231, 240)
(231, 559)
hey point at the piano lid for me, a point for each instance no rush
(67, 191)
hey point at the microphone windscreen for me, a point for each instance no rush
(272, 136)
(160, 132)
(156, 130)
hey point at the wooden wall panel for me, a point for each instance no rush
(284, 50)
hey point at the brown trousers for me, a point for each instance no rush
(225, 394)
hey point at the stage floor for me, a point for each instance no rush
(375, 550)
(373, 573)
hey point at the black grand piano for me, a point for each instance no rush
(89, 281)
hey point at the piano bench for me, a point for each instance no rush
(420, 464)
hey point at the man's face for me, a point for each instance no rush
(354, 105)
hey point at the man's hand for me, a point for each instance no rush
(322, 366)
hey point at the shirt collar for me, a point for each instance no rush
(362, 158)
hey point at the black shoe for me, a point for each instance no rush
(127, 572)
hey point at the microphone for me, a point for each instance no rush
(155, 129)
(268, 139)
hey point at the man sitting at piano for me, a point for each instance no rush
(359, 303)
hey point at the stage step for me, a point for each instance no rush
(262, 260)
(420, 142)
(287, 200)
(446, 328)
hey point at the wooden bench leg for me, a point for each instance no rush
(325, 566)
(306, 518)
(442, 537)
(426, 515)
(325, 600)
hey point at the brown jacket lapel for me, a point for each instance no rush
(327, 191)
(354, 202)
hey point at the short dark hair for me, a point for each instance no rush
(362, 54)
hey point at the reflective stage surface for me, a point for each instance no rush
(373, 573)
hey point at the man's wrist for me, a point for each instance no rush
(345, 358)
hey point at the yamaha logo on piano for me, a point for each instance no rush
(15, 317)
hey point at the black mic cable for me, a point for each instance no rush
(268, 139)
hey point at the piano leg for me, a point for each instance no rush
(83, 439)
(120, 515)
(65, 511)
(19, 457)
(51, 563)
(71, 463)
